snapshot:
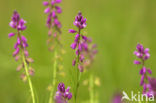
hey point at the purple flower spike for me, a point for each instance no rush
(145, 82)
(11, 35)
(21, 45)
(62, 95)
(54, 25)
(82, 44)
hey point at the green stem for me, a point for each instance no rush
(78, 83)
(54, 78)
(28, 77)
(91, 85)
(78, 72)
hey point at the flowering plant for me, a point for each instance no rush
(21, 51)
(146, 82)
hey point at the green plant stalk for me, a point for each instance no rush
(54, 78)
(78, 72)
(28, 77)
(91, 87)
(78, 83)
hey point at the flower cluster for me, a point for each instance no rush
(21, 43)
(81, 43)
(143, 54)
(53, 23)
(62, 95)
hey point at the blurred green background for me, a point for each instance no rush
(116, 26)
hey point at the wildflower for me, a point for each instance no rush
(21, 44)
(81, 44)
(80, 21)
(143, 55)
(53, 24)
(54, 37)
(21, 52)
(62, 95)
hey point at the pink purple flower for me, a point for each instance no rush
(62, 95)
(142, 53)
(18, 24)
(80, 21)
(53, 24)
(146, 81)
(21, 44)
(82, 44)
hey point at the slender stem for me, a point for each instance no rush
(54, 78)
(91, 87)
(28, 77)
(78, 72)
(26, 68)
(78, 84)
